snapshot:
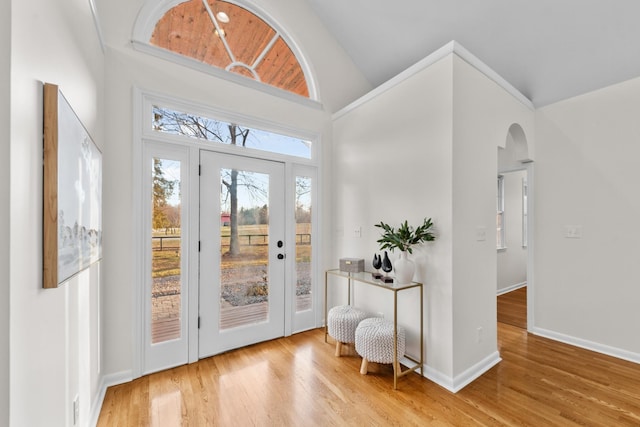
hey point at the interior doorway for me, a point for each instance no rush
(512, 246)
(514, 226)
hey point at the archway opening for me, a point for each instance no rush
(513, 222)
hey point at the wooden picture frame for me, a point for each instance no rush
(72, 192)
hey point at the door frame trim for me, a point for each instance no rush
(141, 99)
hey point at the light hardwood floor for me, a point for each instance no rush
(512, 308)
(297, 381)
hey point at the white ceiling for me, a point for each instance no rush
(548, 49)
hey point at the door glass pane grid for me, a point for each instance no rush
(303, 243)
(166, 239)
(244, 251)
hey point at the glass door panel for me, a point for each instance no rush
(166, 310)
(166, 277)
(242, 251)
(244, 248)
(303, 243)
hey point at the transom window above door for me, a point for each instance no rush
(203, 128)
(230, 37)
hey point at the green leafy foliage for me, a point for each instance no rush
(405, 236)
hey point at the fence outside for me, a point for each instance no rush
(165, 243)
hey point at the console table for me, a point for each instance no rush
(367, 279)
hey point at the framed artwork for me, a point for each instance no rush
(72, 190)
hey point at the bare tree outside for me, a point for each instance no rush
(199, 127)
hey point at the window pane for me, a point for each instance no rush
(303, 243)
(166, 250)
(244, 251)
(251, 47)
(207, 129)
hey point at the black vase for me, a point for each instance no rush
(377, 261)
(386, 263)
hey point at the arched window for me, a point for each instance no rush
(225, 35)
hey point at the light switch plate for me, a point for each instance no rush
(481, 233)
(573, 232)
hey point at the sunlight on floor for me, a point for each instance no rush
(166, 409)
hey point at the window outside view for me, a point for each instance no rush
(169, 121)
(244, 225)
(166, 249)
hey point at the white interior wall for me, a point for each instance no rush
(54, 333)
(5, 190)
(482, 115)
(512, 261)
(462, 116)
(586, 289)
(127, 69)
(393, 163)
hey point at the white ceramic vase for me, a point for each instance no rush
(404, 269)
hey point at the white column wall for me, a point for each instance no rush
(393, 163)
(482, 114)
(54, 333)
(586, 289)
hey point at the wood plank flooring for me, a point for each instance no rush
(297, 381)
(512, 308)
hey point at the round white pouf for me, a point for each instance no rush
(374, 342)
(342, 322)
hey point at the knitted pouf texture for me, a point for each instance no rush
(374, 340)
(343, 321)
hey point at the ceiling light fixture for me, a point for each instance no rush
(222, 17)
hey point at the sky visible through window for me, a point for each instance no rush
(207, 129)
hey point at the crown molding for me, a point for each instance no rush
(96, 22)
(452, 47)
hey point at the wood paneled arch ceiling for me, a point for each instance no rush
(227, 36)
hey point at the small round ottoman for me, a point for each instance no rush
(342, 322)
(374, 342)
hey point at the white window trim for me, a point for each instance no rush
(501, 245)
(149, 99)
(525, 212)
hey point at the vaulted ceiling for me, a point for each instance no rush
(548, 49)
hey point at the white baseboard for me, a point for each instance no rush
(105, 382)
(457, 383)
(588, 345)
(511, 288)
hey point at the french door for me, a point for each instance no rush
(242, 251)
(227, 253)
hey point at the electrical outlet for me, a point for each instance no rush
(357, 232)
(479, 334)
(76, 410)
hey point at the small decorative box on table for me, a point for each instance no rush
(352, 265)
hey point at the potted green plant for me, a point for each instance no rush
(403, 239)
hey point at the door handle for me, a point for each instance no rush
(280, 256)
